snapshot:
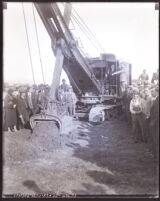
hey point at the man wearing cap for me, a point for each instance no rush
(146, 103)
(22, 108)
(70, 99)
(136, 112)
(64, 86)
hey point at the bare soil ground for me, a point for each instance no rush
(85, 159)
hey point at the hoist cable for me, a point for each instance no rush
(88, 29)
(83, 29)
(28, 44)
(73, 17)
(84, 33)
(93, 42)
(91, 38)
(38, 43)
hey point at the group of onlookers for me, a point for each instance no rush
(142, 110)
(140, 101)
(20, 103)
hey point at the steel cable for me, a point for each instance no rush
(98, 43)
(38, 43)
(84, 32)
(28, 44)
(83, 29)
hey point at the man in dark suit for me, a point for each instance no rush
(154, 123)
(22, 108)
(127, 99)
(29, 97)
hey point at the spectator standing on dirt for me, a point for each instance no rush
(127, 99)
(35, 100)
(16, 96)
(146, 103)
(4, 95)
(60, 95)
(22, 108)
(154, 123)
(70, 100)
(136, 112)
(41, 100)
(10, 112)
(29, 97)
(74, 100)
(46, 96)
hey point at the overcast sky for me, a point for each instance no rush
(128, 30)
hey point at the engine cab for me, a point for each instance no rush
(108, 72)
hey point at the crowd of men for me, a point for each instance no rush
(141, 102)
(21, 102)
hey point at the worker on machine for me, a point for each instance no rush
(64, 86)
(143, 78)
(123, 78)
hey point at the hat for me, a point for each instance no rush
(135, 90)
(10, 91)
(22, 89)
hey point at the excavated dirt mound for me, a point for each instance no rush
(26, 146)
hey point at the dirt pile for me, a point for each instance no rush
(26, 146)
(17, 147)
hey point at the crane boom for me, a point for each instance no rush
(64, 46)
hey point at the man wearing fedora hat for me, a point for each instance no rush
(22, 108)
